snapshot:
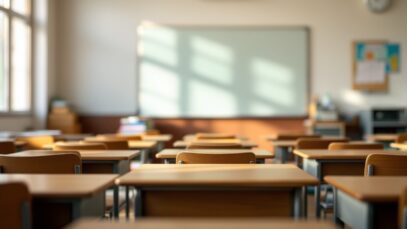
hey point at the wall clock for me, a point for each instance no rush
(378, 6)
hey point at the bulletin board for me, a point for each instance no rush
(369, 66)
(373, 63)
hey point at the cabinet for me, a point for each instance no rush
(386, 121)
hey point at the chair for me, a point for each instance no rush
(15, 202)
(215, 158)
(41, 162)
(305, 143)
(152, 132)
(295, 136)
(79, 146)
(343, 146)
(206, 145)
(403, 210)
(386, 165)
(401, 138)
(113, 144)
(120, 137)
(209, 136)
(36, 142)
(7, 147)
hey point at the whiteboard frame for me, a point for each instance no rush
(225, 27)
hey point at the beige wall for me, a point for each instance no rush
(96, 44)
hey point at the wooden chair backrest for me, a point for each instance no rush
(386, 165)
(209, 136)
(113, 144)
(201, 145)
(343, 146)
(120, 137)
(152, 132)
(403, 210)
(296, 136)
(401, 138)
(78, 146)
(15, 202)
(305, 143)
(36, 142)
(7, 147)
(215, 158)
(49, 162)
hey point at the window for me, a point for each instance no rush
(15, 56)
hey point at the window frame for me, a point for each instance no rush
(10, 13)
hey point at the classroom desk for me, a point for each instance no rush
(71, 137)
(18, 144)
(218, 190)
(144, 146)
(321, 163)
(367, 202)
(101, 162)
(259, 223)
(161, 140)
(158, 138)
(245, 144)
(284, 148)
(191, 137)
(169, 155)
(386, 139)
(97, 161)
(400, 146)
(60, 199)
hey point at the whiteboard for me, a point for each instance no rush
(223, 72)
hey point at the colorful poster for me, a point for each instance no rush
(393, 55)
(389, 53)
(371, 52)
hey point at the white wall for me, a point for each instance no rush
(96, 44)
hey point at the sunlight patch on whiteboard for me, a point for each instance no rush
(159, 99)
(273, 83)
(207, 100)
(160, 46)
(212, 61)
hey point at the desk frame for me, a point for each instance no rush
(352, 212)
(172, 160)
(299, 207)
(118, 167)
(283, 152)
(314, 168)
(81, 207)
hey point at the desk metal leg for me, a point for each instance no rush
(260, 161)
(282, 153)
(298, 204)
(318, 201)
(305, 202)
(160, 146)
(144, 156)
(116, 201)
(138, 204)
(127, 203)
(336, 218)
